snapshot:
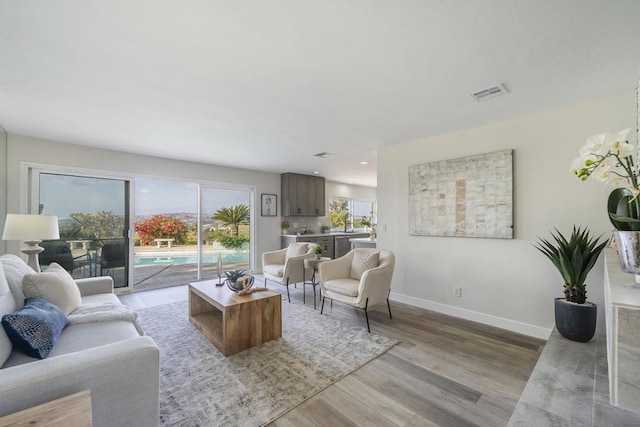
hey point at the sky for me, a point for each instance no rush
(62, 195)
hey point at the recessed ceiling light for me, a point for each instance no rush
(364, 162)
(316, 172)
(324, 155)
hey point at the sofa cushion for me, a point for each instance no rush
(7, 305)
(297, 249)
(35, 328)
(55, 285)
(274, 269)
(100, 299)
(348, 287)
(15, 269)
(363, 261)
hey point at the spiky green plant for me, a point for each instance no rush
(234, 275)
(573, 258)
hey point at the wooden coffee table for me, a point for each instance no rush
(233, 322)
(73, 410)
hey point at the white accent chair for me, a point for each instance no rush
(373, 287)
(286, 266)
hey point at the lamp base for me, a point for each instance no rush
(32, 250)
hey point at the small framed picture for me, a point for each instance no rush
(269, 205)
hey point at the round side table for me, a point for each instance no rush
(312, 263)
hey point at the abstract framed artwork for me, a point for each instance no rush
(466, 197)
(269, 203)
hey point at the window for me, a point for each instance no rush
(356, 214)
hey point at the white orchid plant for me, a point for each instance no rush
(609, 158)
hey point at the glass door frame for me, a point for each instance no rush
(29, 203)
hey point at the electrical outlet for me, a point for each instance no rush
(295, 225)
(457, 291)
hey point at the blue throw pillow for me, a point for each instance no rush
(36, 327)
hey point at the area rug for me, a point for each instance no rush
(201, 387)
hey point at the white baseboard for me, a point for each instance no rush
(487, 319)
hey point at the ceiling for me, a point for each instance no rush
(266, 84)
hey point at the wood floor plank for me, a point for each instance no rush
(356, 412)
(441, 396)
(323, 415)
(375, 400)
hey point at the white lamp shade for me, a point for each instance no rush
(30, 227)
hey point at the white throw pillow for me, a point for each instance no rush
(15, 269)
(297, 249)
(7, 305)
(363, 261)
(55, 285)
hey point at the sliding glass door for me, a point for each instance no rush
(93, 221)
(226, 230)
(166, 241)
(146, 233)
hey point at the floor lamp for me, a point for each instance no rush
(32, 229)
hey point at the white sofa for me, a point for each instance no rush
(110, 358)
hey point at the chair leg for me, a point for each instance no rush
(314, 296)
(322, 306)
(366, 315)
(265, 282)
(389, 306)
(287, 285)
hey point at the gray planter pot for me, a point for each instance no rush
(576, 322)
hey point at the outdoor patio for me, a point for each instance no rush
(164, 266)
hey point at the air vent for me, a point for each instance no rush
(324, 155)
(489, 93)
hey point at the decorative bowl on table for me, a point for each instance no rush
(242, 283)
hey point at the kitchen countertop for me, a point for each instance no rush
(339, 234)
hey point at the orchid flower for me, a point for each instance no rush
(609, 158)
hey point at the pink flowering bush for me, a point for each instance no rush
(161, 227)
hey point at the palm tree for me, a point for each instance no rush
(233, 217)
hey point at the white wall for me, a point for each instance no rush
(506, 283)
(3, 185)
(22, 148)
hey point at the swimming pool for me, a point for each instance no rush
(234, 257)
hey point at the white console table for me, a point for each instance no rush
(622, 309)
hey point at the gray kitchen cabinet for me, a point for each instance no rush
(302, 195)
(334, 245)
(316, 196)
(327, 244)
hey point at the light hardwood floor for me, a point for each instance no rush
(445, 371)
